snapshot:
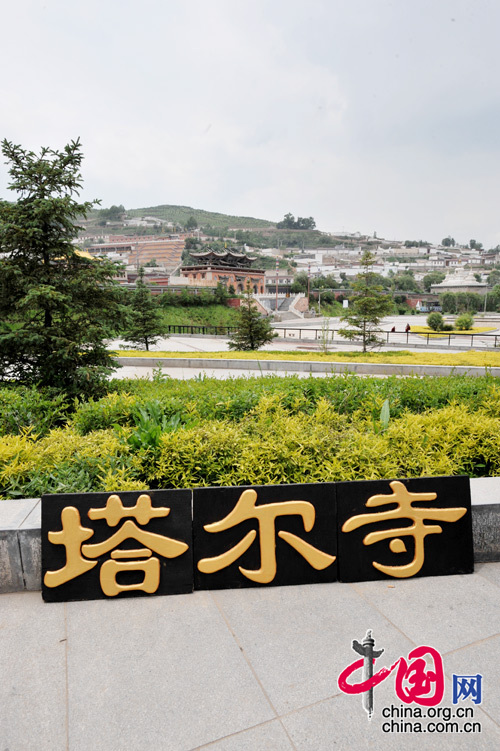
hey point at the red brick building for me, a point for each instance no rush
(167, 252)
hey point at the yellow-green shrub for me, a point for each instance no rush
(449, 441)
(199, 456)
(270, 445)
(112, 409)
(64, 461)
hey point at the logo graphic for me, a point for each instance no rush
(419, 679)
(369, 657)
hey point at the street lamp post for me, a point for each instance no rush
(320, 292)
(277, 279)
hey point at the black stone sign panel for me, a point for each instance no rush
(416, 527)
(264, 536)
(108, 545)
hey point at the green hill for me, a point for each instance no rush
(244, 229)
(180, 215)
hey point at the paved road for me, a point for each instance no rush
(314, 329)
(128, 371)
(291, 342)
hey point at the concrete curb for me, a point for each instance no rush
(20, 545)
(20, 535)
(306, 366)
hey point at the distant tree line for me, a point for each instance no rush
(113, 214)
(470, 302)
(289, 222)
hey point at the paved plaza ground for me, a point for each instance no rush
(241, 670)
(288, 341)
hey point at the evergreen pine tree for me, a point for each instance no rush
(367, 306)
(57, 305)
(145, 324)
(253, 330)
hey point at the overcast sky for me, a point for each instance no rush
(368, 115)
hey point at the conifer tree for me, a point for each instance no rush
(57, 305)
(367, 306)
(145, 325)
(253, 330)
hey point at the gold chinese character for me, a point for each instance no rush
(73, 535)
(404, 510)
(266, 516)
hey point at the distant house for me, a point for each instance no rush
(166, 251)
(283, 279)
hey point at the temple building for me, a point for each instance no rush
(462, 281)
(227, 267)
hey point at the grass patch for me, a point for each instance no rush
(399, 357)
(194, 315)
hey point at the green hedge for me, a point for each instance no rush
(266, 430)
(269, 445)
(24, 408)
(210, 399)
(65, 462)
(232, 399)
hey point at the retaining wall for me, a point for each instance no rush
(306, 366)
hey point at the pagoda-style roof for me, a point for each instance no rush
(462, 278)
(222, 258)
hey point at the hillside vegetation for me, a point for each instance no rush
(180, 215)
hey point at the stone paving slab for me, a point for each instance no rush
(447, 612)
(298, 642)
(305, 366)
(268, 737)
(336, 724)
(32, 674)
(185, 373)
(490, 571)
(15, 512)
(156, 672)
(485, 652)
